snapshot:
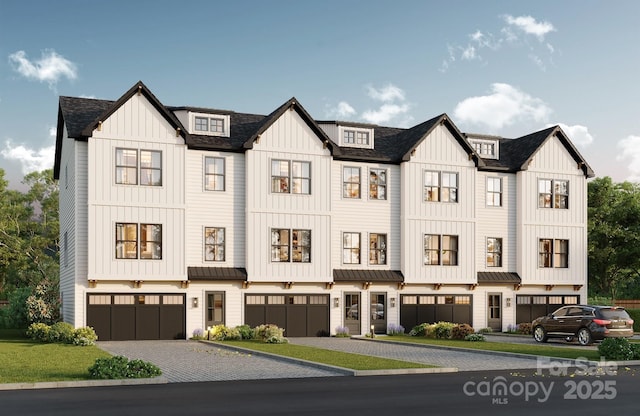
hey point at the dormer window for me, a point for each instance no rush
(356, 137)
(487, 149)
(210, 124)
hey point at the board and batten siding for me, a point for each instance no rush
(499, 222)
(135, 125)
(364, 215)
(220, 209)
(552, 161)
(288, 138)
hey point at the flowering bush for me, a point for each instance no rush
(270, 333)
(394, 329)
(120, 367)
(245, 331)
(62, 332)
(198, 333)
(442, 330)
(44, 304)
(342, 331)
(475, 338)
(222, 332)
(84, 336)
(461, 331)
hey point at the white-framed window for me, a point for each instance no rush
(289, 245)
(553, 253)
(351, 182)
(149, 168)
(440, 250)
(350, 248)
(214, 173)
(553, 193)
(440, 186)
(488, 149)
(214, 244)
(494, 192)
(494, 252)
(378, 184)
(359, 138)
(148, 245)
(377, 248)
(290, 177)
(210, 124)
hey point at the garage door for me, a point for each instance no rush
(417, 309)
(530, 307)
(299, 315)
(122, 316)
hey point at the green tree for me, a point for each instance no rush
(614, 236)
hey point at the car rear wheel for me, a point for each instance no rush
(539, 334)
(584, 337)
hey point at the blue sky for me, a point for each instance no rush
(496, 67)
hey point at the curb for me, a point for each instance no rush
(83, 383)
(341, 370)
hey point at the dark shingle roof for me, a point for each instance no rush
(357, 275)
(78, 113)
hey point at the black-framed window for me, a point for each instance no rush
(553, 193)
(441, 249)
(351, 182)
(127, 166)
(126, 241)
(494, 252)
(301, 246)
(289, 245)
(130, 245)
(151, 241)
(150, 167)
(214, 173)
(377, 248)
(553, 253)
(214, 244)
(351, 248)
(378, 184)
(440, 186)
(494, 192)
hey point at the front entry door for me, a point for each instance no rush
(379, 312)
(494, 311)
(215, 309)
(352, 313)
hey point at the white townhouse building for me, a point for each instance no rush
(174, 219)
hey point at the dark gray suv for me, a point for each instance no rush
(586, 323)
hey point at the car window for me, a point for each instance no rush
(561, 312)
(575, 312)
(614, 314)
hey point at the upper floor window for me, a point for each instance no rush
(440, 249)
(149, 241)
(553, 193)
(214, 244)
(553, 253)
(351, 248)
(290, 245)
(377, 184)
(440, 186)
(211, 124)
(356, 137)
(214, 173)
(150, 167)
(290, 177)
(377, 248)
(494, 252)
(350, 182)
(494, 192)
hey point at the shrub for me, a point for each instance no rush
(245, 331)
(461, 331)
(84, 336)
(419, 330)
(43, 305)
(222, 332)
(619, 349)
(16, 314)
(442, 330)
(486, 330)
(61, 332)
(524, 328)
(120, 367)
(475, 338)
(39, 332)
(394, 329)
(270, 333)
(342, 331)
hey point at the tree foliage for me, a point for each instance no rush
(614, 236)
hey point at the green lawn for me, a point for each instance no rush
(544, 350)
(26, 361)
(336, 358)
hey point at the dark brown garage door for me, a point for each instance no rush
(299, 315)
(418, 309)
(530, 307)
(124, 316)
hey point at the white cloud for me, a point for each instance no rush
(385, 113)
(530, 26)
(386, 94)
(50, 68)
(505, 106)
(469, 53)
(579, 135)
(30, 159)
(342, 111)
(631, 151)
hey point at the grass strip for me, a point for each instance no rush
(26, 361)
(330, 357)
(543, 350)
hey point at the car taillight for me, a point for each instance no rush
(630, 322)
(601, 322)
